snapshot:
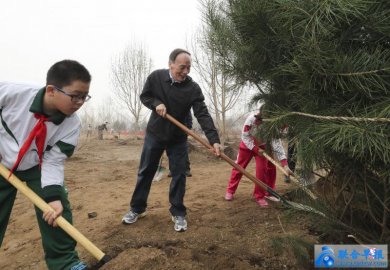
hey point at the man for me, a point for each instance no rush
(47, 117)
(169, 91)
(101, 129)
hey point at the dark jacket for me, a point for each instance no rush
(178, 98)
(188, 120)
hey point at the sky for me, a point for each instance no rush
(37, 33)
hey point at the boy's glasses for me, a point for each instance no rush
(74, 98)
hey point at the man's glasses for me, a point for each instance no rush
(74, 98)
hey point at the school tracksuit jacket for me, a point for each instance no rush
(18, 103)
(265, 170)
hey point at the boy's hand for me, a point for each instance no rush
(288, 170)
(51, 216)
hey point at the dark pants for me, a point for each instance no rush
(188, 164)
(151, 154)
(59, 247)
(291, 157)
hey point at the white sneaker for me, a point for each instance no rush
(180, 223)
(229, 196)
(131, 217)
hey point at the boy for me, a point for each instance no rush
(46, 116)
(250, 147)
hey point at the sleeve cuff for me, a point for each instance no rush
(283, 162)
(52, 193)
(156, 103)
(216, 141)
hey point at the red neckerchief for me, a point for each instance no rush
(39, 134)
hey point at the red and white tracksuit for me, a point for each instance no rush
(249, 147)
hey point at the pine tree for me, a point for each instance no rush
(323, 67)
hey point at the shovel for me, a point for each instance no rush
(293, 177)
(62, 222)
(265, 187)
(160, 171)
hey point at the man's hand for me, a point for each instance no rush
(217, 149)
(161, 110)
(51, 216)
(288, 170)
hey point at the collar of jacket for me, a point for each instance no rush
(169, 78)
(37, 107)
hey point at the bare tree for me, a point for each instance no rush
(106, 111)
(220, 88)
(87, 116)
(129, 71)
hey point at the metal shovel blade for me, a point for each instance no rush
(159, 174)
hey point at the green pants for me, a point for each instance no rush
(59, 247)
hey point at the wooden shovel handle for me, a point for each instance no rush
(62, 222)
(223, 156)
(292, 177)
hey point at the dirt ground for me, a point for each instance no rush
(100, 178)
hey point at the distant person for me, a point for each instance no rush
(89, 130)
(101, 129)
(265, 171)
(169, 91)
(38, 131)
